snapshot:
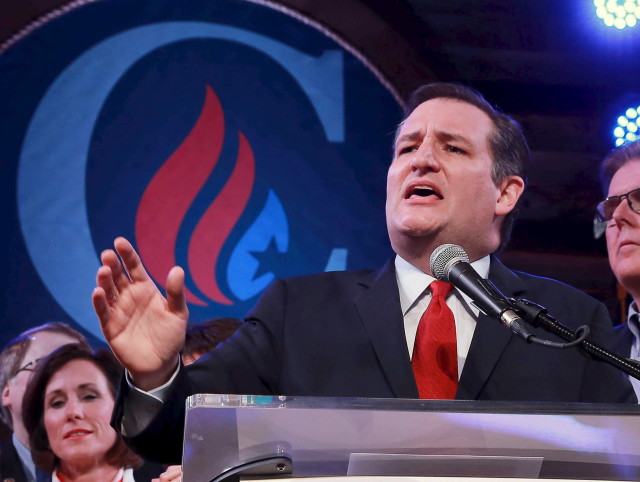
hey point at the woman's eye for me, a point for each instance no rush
(90, 396)
(57, 403)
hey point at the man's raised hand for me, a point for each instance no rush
(144, 329)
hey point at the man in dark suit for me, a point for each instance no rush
(456, 177)
(620, 177)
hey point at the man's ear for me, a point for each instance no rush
(6, 393)
(510, 190)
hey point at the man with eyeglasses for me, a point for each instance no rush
(619, 212)
(18, 360)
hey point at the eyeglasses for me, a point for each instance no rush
(29, 367)
(605, 208)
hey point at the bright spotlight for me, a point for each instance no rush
(618, 13)
(628, 126)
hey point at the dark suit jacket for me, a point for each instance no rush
(147, 471)
(10, 464)
(624, 339)
(341, 334)
(11, 467)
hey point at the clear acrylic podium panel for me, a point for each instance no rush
(357, 436)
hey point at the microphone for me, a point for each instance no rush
(449, 262)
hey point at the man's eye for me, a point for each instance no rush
(456, 150)
(407, 149)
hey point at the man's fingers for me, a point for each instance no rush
(131, 260)
(175, 292)
(101, 307)
(110, 259)
(104, 280)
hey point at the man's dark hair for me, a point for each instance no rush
(205, 336)
(617, 158)
(34, 398)
(507, 143)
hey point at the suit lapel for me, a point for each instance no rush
(379, 309)
(490, 338)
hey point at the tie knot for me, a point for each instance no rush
(440, 288)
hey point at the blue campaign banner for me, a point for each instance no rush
(238, 140)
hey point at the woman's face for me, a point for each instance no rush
(77, 411)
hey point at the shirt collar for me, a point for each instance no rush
(632, 320)
(413, 282)
(25, 457)
(123, 475)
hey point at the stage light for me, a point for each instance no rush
(628, 126)
(618, 13)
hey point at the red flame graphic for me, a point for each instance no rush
(171, 192)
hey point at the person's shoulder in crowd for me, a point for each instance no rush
(10, 465)
(546, 285)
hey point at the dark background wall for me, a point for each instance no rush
(549, 64)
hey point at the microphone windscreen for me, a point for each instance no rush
(443, 257)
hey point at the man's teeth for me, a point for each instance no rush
(424, 192)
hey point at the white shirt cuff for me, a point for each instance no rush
(141, 407)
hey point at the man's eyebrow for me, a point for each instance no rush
(412, 136)
(441, 135)
(451, 136)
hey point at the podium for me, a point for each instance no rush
(248, 436)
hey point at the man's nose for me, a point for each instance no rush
(425, 159)
(623, 213)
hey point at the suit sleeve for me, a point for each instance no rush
(247, 363)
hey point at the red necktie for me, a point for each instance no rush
(435, 354)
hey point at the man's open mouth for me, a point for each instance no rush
(422, 192)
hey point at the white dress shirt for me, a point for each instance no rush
(25, 457)
(415, 297)
(634, 326)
